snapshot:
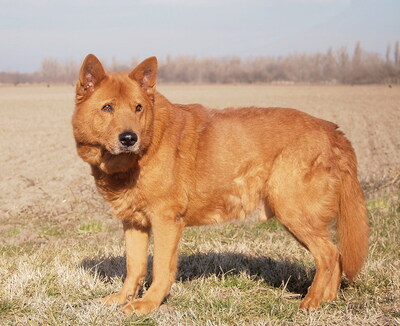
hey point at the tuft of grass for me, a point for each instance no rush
(52, 231)
(14, 231)
(10, 251)
(271, 225)
(140, 321)
(7, 307)
(92, 226)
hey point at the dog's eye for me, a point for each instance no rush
(139, 108)
(107, 108)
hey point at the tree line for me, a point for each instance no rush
(334, 67)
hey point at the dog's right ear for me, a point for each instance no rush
(90, 76)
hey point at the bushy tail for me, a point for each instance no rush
(352, 225)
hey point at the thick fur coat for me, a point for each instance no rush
(164, 166)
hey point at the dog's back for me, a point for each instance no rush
(239, 154)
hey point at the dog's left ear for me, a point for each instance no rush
(146, 74)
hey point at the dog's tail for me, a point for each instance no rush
(352, 224)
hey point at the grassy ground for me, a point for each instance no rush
(235, 274)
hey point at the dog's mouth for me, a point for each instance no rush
(130, 149)
(135, 149)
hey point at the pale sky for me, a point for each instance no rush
(31, 30)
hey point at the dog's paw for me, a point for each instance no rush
(140, 307)
(116, 298)
(329, 295)
(309, 303)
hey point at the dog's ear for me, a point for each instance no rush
(146, 74)
(90, 76)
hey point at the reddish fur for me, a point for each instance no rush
(352, 227)
(197, 166)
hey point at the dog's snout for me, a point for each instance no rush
(128, 138)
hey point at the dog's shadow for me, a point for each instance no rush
(292, 276)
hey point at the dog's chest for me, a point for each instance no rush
(125, 198)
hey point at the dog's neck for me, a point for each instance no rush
(162, 117)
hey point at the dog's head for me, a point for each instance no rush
(114, 111)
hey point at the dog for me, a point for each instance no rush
(164, 166)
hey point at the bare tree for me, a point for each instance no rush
(387, 56)
(397, 53)
(50, 70)
(343, 65)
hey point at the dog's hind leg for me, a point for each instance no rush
(331, 290)
(306, 203)
(326, 255)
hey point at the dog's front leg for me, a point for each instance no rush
(136, 244)
(167, 233)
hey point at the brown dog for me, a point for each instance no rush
(164, 166)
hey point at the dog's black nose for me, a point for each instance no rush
(128, 138)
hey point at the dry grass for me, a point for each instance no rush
(61, 250)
